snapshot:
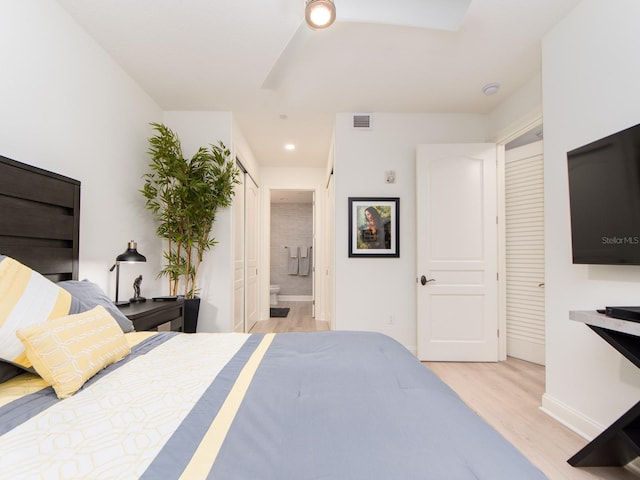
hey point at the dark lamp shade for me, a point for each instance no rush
(131, 254)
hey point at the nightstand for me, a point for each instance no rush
(150, 315)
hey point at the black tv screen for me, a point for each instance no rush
(604, 196)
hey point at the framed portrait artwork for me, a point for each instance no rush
(374, 227)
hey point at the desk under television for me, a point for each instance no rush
(620, 442)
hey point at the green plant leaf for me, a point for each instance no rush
(184, 196)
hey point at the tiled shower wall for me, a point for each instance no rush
(291, 226)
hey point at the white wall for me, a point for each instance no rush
(274, 178)
(367, 290)
(242, 150)
(590, 89)
(67, 107)
(517, 113)
(215, 279)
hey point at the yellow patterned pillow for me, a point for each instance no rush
(68, 351)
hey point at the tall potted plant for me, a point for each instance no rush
(184, 196)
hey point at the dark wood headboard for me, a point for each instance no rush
(40, 219)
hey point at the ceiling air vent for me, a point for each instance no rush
(362, 121)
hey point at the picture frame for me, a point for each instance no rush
(374, 227)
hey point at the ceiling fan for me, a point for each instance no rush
(432, 14)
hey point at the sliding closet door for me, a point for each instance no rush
(251, 234)
(245, 237)
(238, 256)
(329, 253)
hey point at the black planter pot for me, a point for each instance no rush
(191, 309)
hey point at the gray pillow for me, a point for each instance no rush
(92, 295)
(9, 370)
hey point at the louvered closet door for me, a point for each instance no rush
(524, 225)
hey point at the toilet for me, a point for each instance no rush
(274, 290)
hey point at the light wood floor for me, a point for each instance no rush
(299, 319)
(506, 394)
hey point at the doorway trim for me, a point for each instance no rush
(506, 135)
(267, 249)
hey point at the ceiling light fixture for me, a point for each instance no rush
(491, 88)
(319, 13)
(289, 146)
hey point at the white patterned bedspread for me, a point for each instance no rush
(117, 426)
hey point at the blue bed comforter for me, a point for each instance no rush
(294, 406)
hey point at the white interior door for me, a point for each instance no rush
(238, 257)
(457, 287)
(251, 253)
(524, 233)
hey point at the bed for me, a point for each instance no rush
(164, 405)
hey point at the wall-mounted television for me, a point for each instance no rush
(604, 196)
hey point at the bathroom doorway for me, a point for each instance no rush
(292, 259)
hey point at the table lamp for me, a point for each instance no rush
(130, 255)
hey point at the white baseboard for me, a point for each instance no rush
(575, 421)
(570, 418)
(295, 298)
(526, 350)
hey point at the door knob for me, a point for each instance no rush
(424, 280)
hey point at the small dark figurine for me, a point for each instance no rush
(136, 291)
